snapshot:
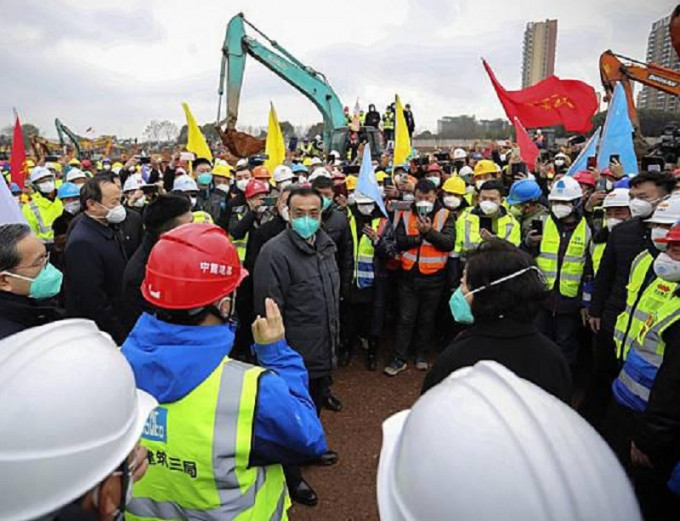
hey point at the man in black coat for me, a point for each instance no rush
(297, 269)
(23, 256)
(162, 215)
(372, 117)
(95, 257)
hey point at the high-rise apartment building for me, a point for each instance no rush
(538, 54)
(661, 52)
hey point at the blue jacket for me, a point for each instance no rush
(169, 361)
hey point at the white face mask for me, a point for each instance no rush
(434, 180)
(559, 162)
(641, 208)
(224, 187)
(285, 213)
(408, 197)
(503, 157)
(424, 207)
(659, 233)
(488, 207)
(46, 187)
(469, 189)
(241, 184)
(352, 199)
(667, 268)
(73, 207)
(116, 214)
(612, 221)
(560, 211)
(451, 201)
(381, 189)
(366, 209)
(193, 200)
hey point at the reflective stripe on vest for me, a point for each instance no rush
(571, 270)
(240, 244)
(630, 321)
(636, 379)
(199, 449)
(507, 228)
(596, 252)
(364, 252)
(430, 260)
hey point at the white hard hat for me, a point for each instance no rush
(75, 173)
(184, 184)
(565, 189)
(459, 153)
(70, 415)
(667, 211)
(282, 173)
(335, 154)
(617, 198)
(241, 163)
(466, 170)
(487, 445)
(320, 172)
(40, 172)
(561, 155)
(133, 182)
(315, 161)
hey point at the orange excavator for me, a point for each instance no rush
(616, 68)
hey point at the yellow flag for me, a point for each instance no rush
(402, 141)
(275, 148)
(196, 141)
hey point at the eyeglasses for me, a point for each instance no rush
(40, 263)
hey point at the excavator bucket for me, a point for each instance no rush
(674, 29)
(240, 144)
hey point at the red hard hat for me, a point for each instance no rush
(261, 172)
(434, 167)
(673, 235)
(585, 178)
(192, 266)
(256, 187)
(86, 163)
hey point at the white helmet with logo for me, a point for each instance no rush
(40, 172)
(184, 183)
(617, 198)
(485, 445)
(133, 182)
(667, 211)
(565, 189)
(459, 153)
(70, 415)
(283, 173)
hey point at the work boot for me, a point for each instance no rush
(331, 403)
(304, 494)
(371, 364)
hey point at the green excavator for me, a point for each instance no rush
(311, 83)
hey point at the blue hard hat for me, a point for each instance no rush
(299, 168)
(623, 183)
(15, 189)
(68, 190)
(523, 191)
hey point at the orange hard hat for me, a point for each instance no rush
(261, 172)
(192, 266)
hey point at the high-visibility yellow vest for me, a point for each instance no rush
(364, 253)
(641, 306)
(201, 216)
(596, 252)
(468, 235)
(388, 122)
(636, 379)
(40, 213)
(240, 244)
(571, 270)
(199, 455)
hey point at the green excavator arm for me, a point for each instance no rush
(312, 84)
(64, 130)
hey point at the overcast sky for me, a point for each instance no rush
(114, 65)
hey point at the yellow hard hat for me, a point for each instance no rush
(54, 165)
(30, 163)
(117, 164)
(381, 176)
(351, 182)
(222, 170)
(454, 185)
(74, 162)
(307, 161)
(484, 167)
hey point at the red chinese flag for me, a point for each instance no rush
(17, 160)
(527, 148)
(552, 101)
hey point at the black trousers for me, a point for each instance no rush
(318, 388)
(564, 329)
(598, 392)
(418, 303)
(656, 500)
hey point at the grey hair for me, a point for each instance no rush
(10, 235)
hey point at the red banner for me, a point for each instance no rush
(552, 101)
(17, 160)
(527, 148)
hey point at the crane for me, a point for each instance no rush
(311, 83)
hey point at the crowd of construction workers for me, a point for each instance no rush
(237, 292)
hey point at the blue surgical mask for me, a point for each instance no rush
(305, 226)
(460, 308)
(326, 203)
(47, 284)
(204, 179)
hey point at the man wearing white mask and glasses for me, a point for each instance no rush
(95, 257)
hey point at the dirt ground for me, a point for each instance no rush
(347, 490)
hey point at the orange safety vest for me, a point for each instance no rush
(430, 260)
